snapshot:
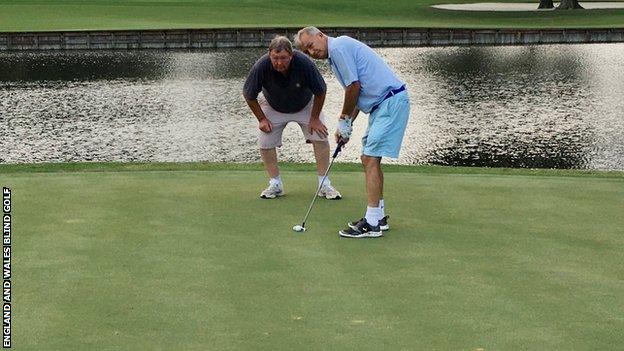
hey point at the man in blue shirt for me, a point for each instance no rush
(371, 87)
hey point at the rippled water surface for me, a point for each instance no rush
(557, 106)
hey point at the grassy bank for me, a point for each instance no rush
(38, 15)
(306, 167)
(186, 256)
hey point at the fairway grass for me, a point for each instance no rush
(184, 259)
(65, 15)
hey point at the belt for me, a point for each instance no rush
(390, 94)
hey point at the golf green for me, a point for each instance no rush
(184, 259)
(62, 15)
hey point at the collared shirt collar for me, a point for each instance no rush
(330, 44)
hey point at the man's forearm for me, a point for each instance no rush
(355, 113)
(352, 93)
(256, 109)
(317, 106)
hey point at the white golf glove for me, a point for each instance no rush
(345, 128)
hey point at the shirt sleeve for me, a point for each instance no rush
(253, 84)
(315, 79)
(345, 65)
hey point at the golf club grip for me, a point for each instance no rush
(338, 148)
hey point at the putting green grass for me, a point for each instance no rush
(47, 15)
(184, 259)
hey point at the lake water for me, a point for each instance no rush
(553, 106)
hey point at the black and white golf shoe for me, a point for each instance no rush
(383, 223)
(361, 230)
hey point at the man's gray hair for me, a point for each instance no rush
(280, 43)
(307, 30)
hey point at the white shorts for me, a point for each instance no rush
(279, 121)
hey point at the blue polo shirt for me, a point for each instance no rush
(352, 61)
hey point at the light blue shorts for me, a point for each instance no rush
(386, 127)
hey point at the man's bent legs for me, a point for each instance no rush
(269, 158)
(321, 154)
(275, 189)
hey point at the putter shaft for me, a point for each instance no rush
(338, 147)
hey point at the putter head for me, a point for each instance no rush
(299, 228)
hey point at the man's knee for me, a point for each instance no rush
(320, 143)
(370, 162)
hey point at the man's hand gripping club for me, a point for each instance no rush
(344, 129)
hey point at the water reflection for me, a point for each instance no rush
(126, 65)
(556, 106)
(516, 109)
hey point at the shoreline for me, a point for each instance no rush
(260, 37)
(81, 167)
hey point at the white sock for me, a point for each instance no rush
(373, 215)
(381, 207)
(277, 181)
(326, 182)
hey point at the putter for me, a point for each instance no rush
(301, 227)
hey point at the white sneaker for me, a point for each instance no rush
(329, 193)
(273, 191)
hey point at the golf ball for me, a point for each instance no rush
(299, 228)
